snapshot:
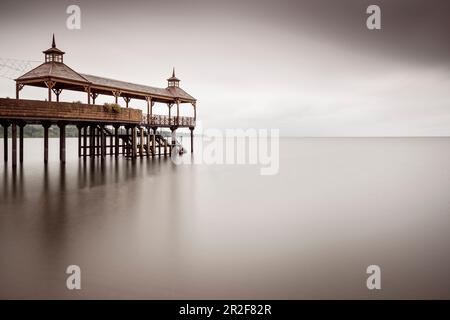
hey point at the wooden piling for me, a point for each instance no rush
(5, 141)
(116, 137)
(14, 144)
(46, 126)
(79, 140)
(192, 139)
(21, 142)
(91, 141)
(62, 142)
(141, 142)
(85, 141)
(133, 142)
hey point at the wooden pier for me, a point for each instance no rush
(102, 129)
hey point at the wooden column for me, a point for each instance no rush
(102, 142)
(150, 104)
(46, 126)
(148, 141)
(5, 141)
(17, 90)
(91, 141)
(21, 142)
(79, 127)
(116, 142)
(14, 144)
(127, 101)
(62, 142)
(88, 91)
(97, 136)
(133, 142)
(141, 144)
(178, 112)
(50, 85)
(192, 139)
(85, 141)
(57, 92)
(154, 142)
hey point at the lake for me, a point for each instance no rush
(153, 229)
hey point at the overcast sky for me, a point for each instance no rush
(309, 68)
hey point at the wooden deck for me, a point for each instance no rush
(37, 112)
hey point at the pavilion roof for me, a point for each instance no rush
(139, 88)
(53, 70)
(59, 70)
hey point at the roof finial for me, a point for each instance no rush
(53, 42)
(173, 72)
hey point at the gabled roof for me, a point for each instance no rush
(53, 69)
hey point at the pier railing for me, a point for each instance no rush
(166, 121)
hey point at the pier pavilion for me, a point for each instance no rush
(102, 130)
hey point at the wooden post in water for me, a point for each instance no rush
(133, 142)
(148, 141)
(102, 142)
(5, 141)
(116, 137)
(111, 144)
(98, 143)
(21, 142)
(14, 144)
(141, 144)
(46, 126)
(91, 141)
(62, 142)
(192, 139)
(79, 127)
(85, 141)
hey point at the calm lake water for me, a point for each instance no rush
(153, 229)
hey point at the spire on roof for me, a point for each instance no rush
(53, 54)
(173, 81)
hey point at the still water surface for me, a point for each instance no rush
(152, 229)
